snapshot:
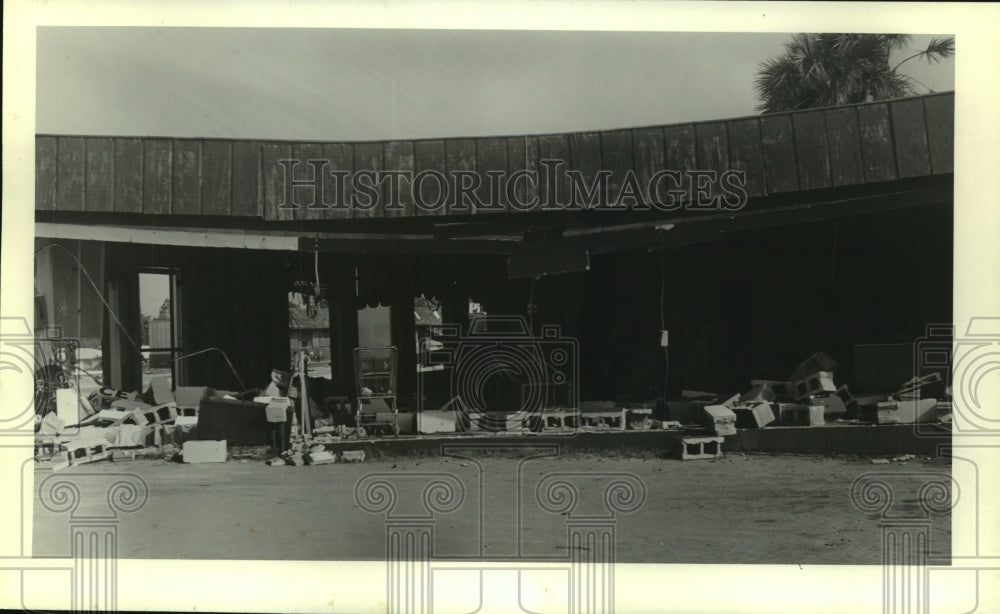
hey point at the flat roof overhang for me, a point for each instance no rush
(594, 231)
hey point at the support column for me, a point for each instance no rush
(905, 537)
(408, 555)
(409, 530)
(343, 320)
(94, 532)
(590, 513)
(592, 566)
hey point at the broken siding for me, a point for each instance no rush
(780, 153)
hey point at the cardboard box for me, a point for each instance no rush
(276, 409)
(906, 412)
(68, 406)
(191, 396)
(720, 419)
(204, 451)
(434, 421)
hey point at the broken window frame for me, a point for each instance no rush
(176, 349)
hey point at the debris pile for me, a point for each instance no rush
(200, 422)
(811, 397)
(295, 417)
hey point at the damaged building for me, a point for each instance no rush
(669, 259)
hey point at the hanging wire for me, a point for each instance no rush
(531, 308)
(219, 350)
(663, 323)
(83, 269)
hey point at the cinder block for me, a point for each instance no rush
(793, 414)
(166, 413)
(701, 447)
(763, 390)
(161, 390)
(906, 412)
(204, 451)
(82, 452)
(321, 457)
(754, 415)
(561, 419)
(816, 383)
(352, 456)
(128, 405)
(604, 419)
(160, 414)
(721, 420)
(833, 406)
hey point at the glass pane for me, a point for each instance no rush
(309, 330)
(90, 365)
(154, 309)
(374, 327)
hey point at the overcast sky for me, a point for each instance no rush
(327, 84)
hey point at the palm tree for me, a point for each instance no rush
(818, 70)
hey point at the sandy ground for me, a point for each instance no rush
(739, 509)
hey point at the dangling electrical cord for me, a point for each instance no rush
(83, 269)
(317, 273)
(231, 368)
(531, 308)
(663, 326)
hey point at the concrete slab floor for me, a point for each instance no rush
(781, 509)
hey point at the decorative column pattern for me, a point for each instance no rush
(590, 529)
(905, 536)
(409, 534)
(94, 536)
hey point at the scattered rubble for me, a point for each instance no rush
(122, 426)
